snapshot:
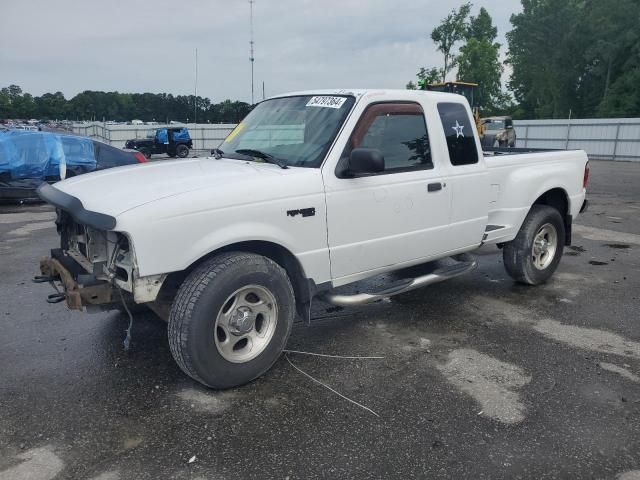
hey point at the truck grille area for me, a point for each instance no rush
(103, 254)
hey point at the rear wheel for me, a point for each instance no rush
(533, 256)
(182, 151)
(231, 319)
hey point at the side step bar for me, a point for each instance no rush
(466, 265)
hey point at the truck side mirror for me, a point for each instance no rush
(509, 127)
(364, 161)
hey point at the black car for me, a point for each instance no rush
(175, 142)
(28, 159)
(108, 157)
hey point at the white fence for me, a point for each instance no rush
(205, 136)
(611, 139)
(602, 138)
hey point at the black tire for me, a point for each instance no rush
(146, 153)
(182, 151)
(518, 255)
(205, 292)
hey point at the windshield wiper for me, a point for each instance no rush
(262, 155)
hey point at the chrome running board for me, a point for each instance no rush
(466, 264)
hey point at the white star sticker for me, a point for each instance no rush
(458, 128)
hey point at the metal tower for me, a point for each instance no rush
(251, 58)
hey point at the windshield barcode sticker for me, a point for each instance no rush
(330, 102)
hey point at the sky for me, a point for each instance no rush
(149, 46)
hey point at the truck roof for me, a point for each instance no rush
(381, 92)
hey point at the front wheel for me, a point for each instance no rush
(533, 256)
(231, 319)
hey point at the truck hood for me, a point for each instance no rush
(117, 190)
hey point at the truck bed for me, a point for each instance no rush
(517, 175)
(501, 151)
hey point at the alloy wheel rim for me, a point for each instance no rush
(545, 245)
(245, 323)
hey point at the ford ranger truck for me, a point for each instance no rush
(310, 192)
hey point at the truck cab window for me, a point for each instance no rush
(458, 129)
(399, 131)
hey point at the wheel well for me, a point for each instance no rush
(303, 288)
(558, 199)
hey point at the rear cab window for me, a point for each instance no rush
(458, 130)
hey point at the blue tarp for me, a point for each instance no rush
(182, 134)
(40, 155)
(162, 135)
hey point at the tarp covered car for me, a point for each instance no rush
(29, 158)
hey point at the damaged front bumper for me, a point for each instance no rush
(96, 265)
(81, 291)
(89, 292)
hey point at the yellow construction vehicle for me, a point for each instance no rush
(469, 90)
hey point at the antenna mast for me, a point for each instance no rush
(195, 93)
(251, 58)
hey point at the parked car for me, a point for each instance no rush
(26, 128)
(312, 191)
(174, 141)
(499, 132)
(28, 159)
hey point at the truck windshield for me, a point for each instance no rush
(295, 130)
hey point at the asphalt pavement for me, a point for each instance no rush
(480, 377)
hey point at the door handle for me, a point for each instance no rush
(434, 187)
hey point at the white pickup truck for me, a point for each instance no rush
(312, 191)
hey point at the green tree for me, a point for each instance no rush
(11, 103)
(50, 105)
(481, 27)
(452, 29)
(5, 104)
(118, 106)
(479, 61)
(575, 55)
(622, 98)
(425, 76)
(544, 48)
(612, 59)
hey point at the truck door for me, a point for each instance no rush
(397, 216)
(467, 177)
